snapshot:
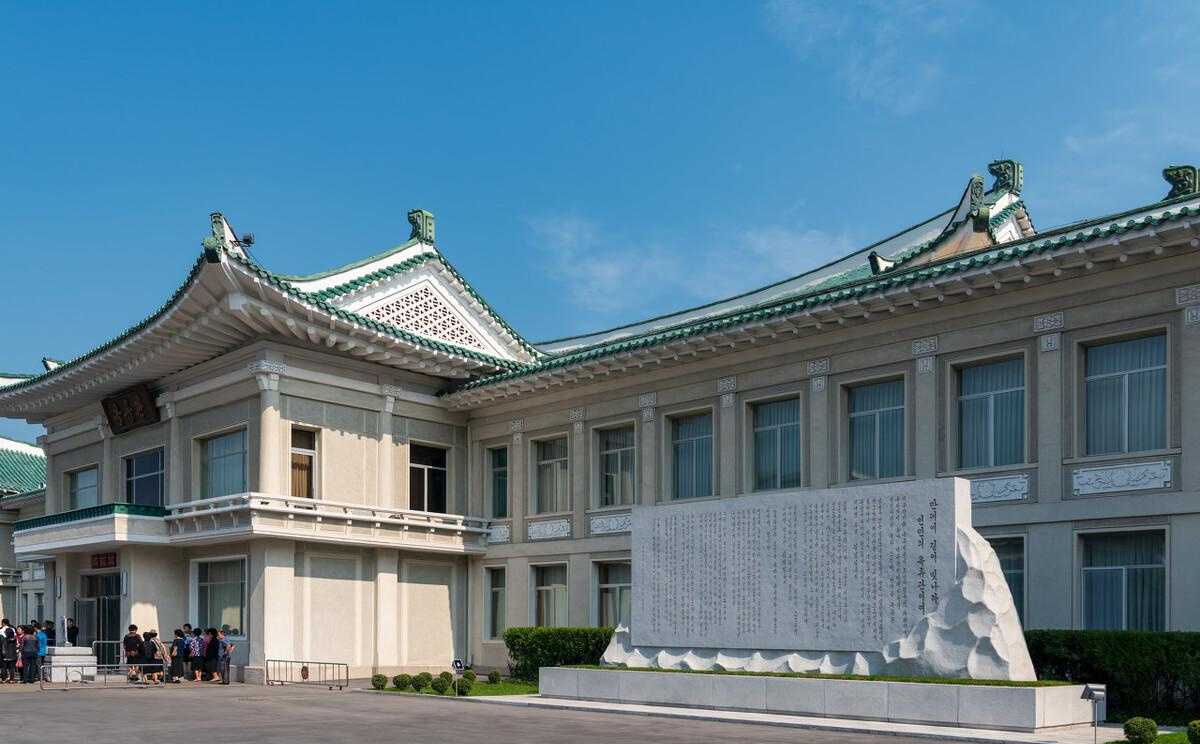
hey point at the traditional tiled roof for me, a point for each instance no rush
(22, 466)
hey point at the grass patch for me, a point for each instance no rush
(1177, 737)
(481, 688)
(815, 675)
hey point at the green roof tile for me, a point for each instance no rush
(20, 471)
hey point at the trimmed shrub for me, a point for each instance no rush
(440, 685)
(1150, 674)
(402, 681)
(421, 681)
(470, 674)
(1193, 732)
(463, 685)
(494, 677)
(1141, 731)
(378, 681)
(448, 676)
(533, 648)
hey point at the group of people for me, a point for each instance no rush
(23, 650)
(194, 655)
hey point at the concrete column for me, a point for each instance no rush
(400, 460)
(272, 603)
(728, 443)
(820, 473)
(109, 478)
(580, 477)
(516, 592)
(1050, 562)
(387, 608)
(53, 501)
(387, 451)
(648, 456)
(518, 489)
(1189, 405)
(175, 475)
(270, 439)
(1049, 419)
(579, 590)
(925, 418)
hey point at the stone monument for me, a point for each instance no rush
(876, 579)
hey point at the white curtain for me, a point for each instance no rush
(877, 430)
(777, 444)
(692, 450)
(220, 593)
(616, 466)
(1125, 395)
(992, 414)
(224, 470)
(1124, 581)
(552, 596)
(552, 485)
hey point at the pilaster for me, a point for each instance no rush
(273, 571)
(925, 418)
(648, 449)
(580, 455)
(108, 468)
(1189, 403)
(270, 439)
(387, 608)
(1049, 415)
(727, 441)
(387, 450)
(175, 474)
(518, 478)
(818, 415)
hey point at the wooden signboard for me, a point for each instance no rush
(130, 409)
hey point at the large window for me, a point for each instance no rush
(616, 466)
(223, 464)
(494, 622)
(1011, 552)
(550, 596)
(83, 488)
(615, 593)
(1125, 581)
(552, 487)
(304, 463)
(1125, 396)
(991, 414)
(144, 482)
(498, 462)
(221, 594)
(692, 456)
(427, 479)
(877, 430)
(776, 444)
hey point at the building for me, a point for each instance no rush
(22, 483)
(374, 449)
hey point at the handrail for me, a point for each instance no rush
(298, 672)
(89, 512)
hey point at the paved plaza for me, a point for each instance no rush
(242, 713)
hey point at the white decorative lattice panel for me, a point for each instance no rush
(423, 312)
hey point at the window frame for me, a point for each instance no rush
(1024, 538)
(668, 422)
(1082, 378)
(595, 435)
(535, 497)
(535, 592)
(1080, 591)
(1027, 429)
(314, 454)
(425, 469)
(748, 450)
(194, 589)
(489, 590)
(845, 388)
(126, 462)
(199, 461)
(598, 587)
(71, 491)
(489, 487)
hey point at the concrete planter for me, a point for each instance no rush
(973, 706)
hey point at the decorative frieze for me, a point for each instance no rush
(1187, 295)
(1048, 322)
(818, 384)
(647, 400)
(925, 365)
(818, 367)
(575, 414)
(605, 524)
(1137, 476)
(1191, 315)
(549, 529)
(727, 384)
(499, 533)
(267, 367)
(925, 346)
(516, 425)
(1050, 341)
(1001, 488)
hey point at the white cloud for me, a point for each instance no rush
(879, 50)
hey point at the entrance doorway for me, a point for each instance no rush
(98, 615)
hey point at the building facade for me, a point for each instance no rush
(374, 449)
(22, 480)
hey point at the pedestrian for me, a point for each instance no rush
(72, 632)
(134, 648)
(20, 645)
(151, 664)
(196, 654)
(162, 656)
(225, 651)
(29, 650)
(43, 642)
(8, 652)
(212, 655)
(179, 657)
(51, 633)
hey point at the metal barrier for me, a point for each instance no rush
(329, 674)
(109, 652)
(64, 676)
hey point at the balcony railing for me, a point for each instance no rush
(10, 576)
(247, 514)
(89, 512)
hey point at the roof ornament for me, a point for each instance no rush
(979, 210)
(879, 264)
(1183, 180)
(1010, 175)
(422, 225)
(50, 365)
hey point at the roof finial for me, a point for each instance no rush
(1009, 174)
(422, 225)
(979, 209)
(1183, 180)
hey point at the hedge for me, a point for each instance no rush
(1148, 674)
(533, 648)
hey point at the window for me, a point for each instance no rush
(615, 587)
(499, 481)
(427, 479)
(1125, 396)
(616, 466)
(83, 488)
(776, 444)
(991, 414)
(1011, 552)
(552, 487)
(550, 596)
(877, 430)
(221, 594)
(1124, 581)
(144, 482)
(223, 465)
(39, 606)
(494, 623)
(304, 463)
(691, 450)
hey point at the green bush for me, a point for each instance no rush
(421, 681)
(534, 648)
(1141, 731)
(494, 677)
(378, 681)
(470, 674)
(1151, 674)
(448, 676)
(464, 684)
(1193, 732)
(440, 684)
(402, 681)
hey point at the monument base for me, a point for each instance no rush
(1011, 708)
(71, 664)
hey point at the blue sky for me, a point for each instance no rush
(589, 163)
